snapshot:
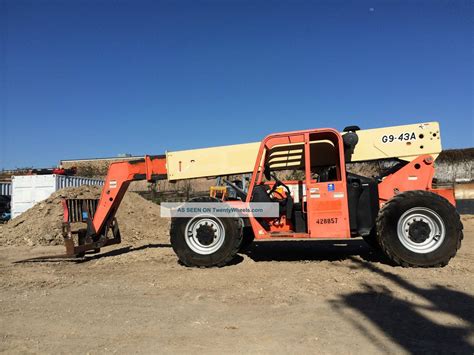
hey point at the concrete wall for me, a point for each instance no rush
(455, 166)
(93, 168)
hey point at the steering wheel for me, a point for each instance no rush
(278, 182)
(285, 202)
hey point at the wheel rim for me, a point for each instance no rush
(204, 235)
(421, 230)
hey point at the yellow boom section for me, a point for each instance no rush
(224, 160)
(404, 142)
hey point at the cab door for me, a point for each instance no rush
(326, 190)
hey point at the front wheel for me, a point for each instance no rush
(419, 229)
(205, 240)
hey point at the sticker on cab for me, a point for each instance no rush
(331, 187)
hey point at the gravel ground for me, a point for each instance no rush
(280, 297)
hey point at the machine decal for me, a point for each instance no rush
(331, 187)
(338, 195)
(403, 137)
(113, 184)
(331, 220)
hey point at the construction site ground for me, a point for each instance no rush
(279, 297)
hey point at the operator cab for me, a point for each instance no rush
(294, 172)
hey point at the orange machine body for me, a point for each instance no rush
(325, 204)
(119, 177)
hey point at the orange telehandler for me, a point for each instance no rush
(399, 212)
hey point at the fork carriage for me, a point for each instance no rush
(82, 211)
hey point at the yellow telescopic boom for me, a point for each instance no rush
(403, 142)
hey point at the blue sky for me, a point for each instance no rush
(83, 79)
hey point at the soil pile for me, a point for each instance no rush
(138, 220)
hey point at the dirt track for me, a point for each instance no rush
(281, 297)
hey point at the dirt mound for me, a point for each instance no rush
(138, 219)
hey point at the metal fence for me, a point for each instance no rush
(5, 188)
(75, 181)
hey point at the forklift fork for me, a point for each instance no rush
(82, 211)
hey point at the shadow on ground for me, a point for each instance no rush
(434, 320)
(313, 250)
(94, 256)
(283, 250)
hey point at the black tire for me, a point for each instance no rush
(247, 238)
(399, 209)
(232, 239)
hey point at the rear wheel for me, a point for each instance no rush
(419, 229)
